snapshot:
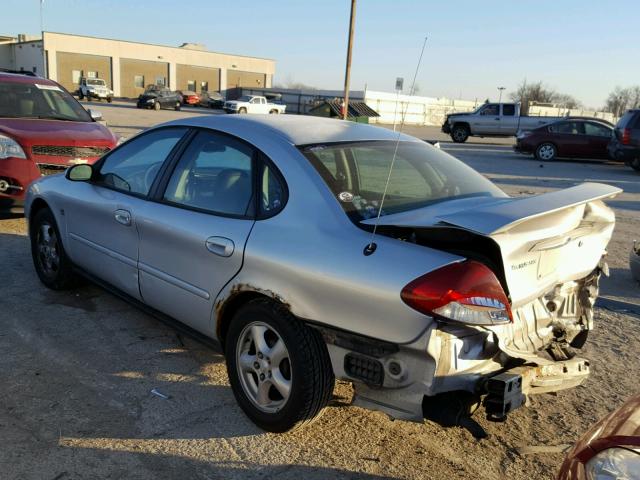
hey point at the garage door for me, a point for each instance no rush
(198, 79)
(72, 66)
(238, 78)
(135, 75)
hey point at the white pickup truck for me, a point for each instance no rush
(253, 104)
(491, 120)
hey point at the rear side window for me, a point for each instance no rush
(597, 130)
(357, 173)
(133, 167)
(508, 110)
(214, 175)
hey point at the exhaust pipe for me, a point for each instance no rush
(4, 185)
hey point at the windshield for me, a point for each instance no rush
(28, 100)
(422, 175)
(93, 81)
(245, 98)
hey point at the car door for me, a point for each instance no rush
(598, 137)
(192, 239)
(102, 219)
(487, 121)
(569, 138)
(508, 120)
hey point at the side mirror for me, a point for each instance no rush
(95, 115)
(79, 173)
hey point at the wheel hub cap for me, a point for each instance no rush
(47, 247)
(264, 366)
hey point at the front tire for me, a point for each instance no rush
(546, 152)
(273, 111)
(81, 95)
(50, 260)
(109, 99)
(242, 110)
(460, 133)
(635, 164)
(177, 107)
(156, 106)
(279, 368)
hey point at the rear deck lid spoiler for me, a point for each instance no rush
(490, 216)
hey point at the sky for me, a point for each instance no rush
(581, 47)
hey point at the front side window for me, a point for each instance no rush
(357, 173)
(24, 100)
(491, 109)
(214, 175)
(133, 167)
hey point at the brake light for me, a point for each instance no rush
(465, 292)
(626, 136)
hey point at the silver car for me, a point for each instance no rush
(259, 233)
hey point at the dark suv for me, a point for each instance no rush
(625, 143)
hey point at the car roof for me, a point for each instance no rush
(295, 129)
(20, 78)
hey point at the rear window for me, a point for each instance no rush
(33, 100)
(422, 175)
(627, 119)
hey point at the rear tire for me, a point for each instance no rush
(269, 351)
(81, 95)
(460, 133)
(635, 164)
(546, 152)
(109, 99)
(50, 260)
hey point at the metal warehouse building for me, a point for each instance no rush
(128, 67)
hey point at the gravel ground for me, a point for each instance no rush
(78, 369)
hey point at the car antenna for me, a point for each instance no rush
(371, 246)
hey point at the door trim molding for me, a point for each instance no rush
(118, 256)
(143, 267)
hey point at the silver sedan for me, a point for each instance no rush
(313, 249)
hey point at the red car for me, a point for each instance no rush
(190, 98)
(570, 137)
(43, 130)
(610, 450)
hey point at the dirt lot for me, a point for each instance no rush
(78, 369)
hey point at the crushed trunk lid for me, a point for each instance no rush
(544, 240)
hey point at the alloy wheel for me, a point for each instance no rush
(264, 366)
(48, 249)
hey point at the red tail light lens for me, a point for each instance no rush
(626, 136)
(465, 292)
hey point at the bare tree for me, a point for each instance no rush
(292, 84)
(622, 99)
(528, 92)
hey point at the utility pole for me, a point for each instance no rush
(45, 72)
(347, 74)
(501, 89)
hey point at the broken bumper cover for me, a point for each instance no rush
(396, 379)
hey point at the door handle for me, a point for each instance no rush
(123, 217)
(220, 246)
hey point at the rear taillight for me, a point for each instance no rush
(626, 136)
(465, 292)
